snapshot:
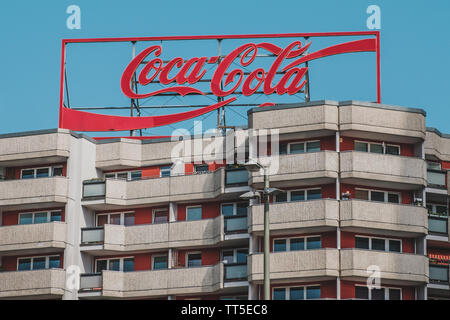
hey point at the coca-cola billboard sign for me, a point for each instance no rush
(179, 76)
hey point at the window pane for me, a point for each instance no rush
(110, 175)
(114, 265)
(122, 175)
(297, 147)
(26, 218)
(161, 216)
(296, 294)
(241, 209)
(376, 148)
(378, 294)
(279, 245)
(378, 244)
(165, 171)
(361, 292)
(441, 210)
(313, 293)
(393, 197)
(194, 260)
(395, 150)
(282, 197)
(160, 263)
(361, 146)
(377, 196)
(283, 148)
(279, 294)
(394, 294)
(313, 243)
(42, 173)
(114, 219)
(361, 194)
(394, 245)
(433, 165)
(242, 256)
(128, 264)
(55, 216)
(228, 256)
(128, 219)
(297, 244)
(101, 265)
(38, 263)
(136, 175)
(313, 146)
(24, 264)
(54, 262)
(314, 194)
(102, 220)
(194, 213)
(40, 217)
(227, 209)
(361, 243)
(201, 168)
(57, 171)
(28, 174)
(298, 195)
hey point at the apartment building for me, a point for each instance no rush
(366, 193)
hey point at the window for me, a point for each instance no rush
(38, 263)
(160, 262)
(125, 175)
(235, 255)
(362, 292)
(193, 213)
(160, 216)
(125, 264)
(381, 148)
(299, 195)
(39, 217)
(437, 210)
(165, 171)
(434, 166)
(194, 260)
(295, 244)
(380, 244)
(300, 147)
(376, 195)
(234, 209)
(296, 293)
(201, 168)
(117, 218)
(41, 172)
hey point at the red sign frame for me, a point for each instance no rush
(85, 121)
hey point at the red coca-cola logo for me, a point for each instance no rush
(193, 70)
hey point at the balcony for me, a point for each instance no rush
(36, 284)
(154, 283)
(37, 147)
(32, 237)
(308, 265)
(395, 268)
(300, 169)
(116, 192)
(235, 224)
(317, 214)
(439, 274)
(114, 238)
(36, 193)
(303, 117)
(436, 179)
(381, 170)
(235, 272)
(377, 121)
(383, 218)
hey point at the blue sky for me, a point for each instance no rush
(414, 41)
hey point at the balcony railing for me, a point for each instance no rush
(438, 224)
(92, 235)
(439, 274)
(91, 281)
(235, 224)
(94, 189)
(236, 177)
(235, 271)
